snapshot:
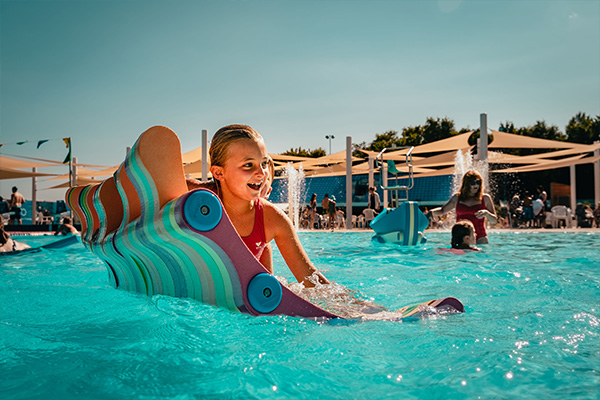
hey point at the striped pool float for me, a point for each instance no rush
(156, 237)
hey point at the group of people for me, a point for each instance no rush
(586, 216)
(528, 211)
(333, 216)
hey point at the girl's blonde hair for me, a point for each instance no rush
(225, 137)
(465, 188)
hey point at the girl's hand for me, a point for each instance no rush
(481, 213)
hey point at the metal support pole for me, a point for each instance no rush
(384, 176)
(33, 196)
(204, 154)
(597, 176)
(329, 137)
(573, 188)
(371, 171)
(348, 182)
(482, 151)
(74, 172)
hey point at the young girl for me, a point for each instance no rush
(463, 236)
(240, 168)
(470, 203)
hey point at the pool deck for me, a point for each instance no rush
(447, 230)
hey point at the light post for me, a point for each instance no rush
(329, 137)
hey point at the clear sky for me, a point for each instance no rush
(102, 72)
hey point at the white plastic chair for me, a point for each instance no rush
(44, 219)
(561, 213)
(361, 221)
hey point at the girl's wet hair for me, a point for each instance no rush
(271, 165)
(3, 235)
(465, 189)
(225, 137)
(459, 231)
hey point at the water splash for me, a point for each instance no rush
(464, 162)
(296, 185)
(351, 304)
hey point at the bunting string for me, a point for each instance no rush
(39, 143)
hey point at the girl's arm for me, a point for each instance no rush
(266, 259)
(489, 212)
(446, 208)
(279, 227)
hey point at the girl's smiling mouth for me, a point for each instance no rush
(255, 186)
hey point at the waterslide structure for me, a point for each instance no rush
(406, 223)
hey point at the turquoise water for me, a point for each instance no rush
(531, 328)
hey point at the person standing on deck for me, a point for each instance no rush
(16, 202)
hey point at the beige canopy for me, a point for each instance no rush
(80, 181)
(503, 140)
(551, 164)
(86, 172)
(15, 163)
(9, 173)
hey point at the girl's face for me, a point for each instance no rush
(245, 173)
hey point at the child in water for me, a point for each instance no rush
(463, 236)
(240, 166)
(243, 172)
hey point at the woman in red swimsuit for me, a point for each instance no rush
(470, 203)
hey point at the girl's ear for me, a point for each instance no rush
(217, 172)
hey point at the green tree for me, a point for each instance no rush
(300, 152)
(384, 140)
(412, 136)
(438, 129)
(507, 127)
(583, 129)
(543, 131)
(434, 129)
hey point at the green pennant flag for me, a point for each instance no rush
(68, 143)
(41, 142)
(68, 157)
(21, 143)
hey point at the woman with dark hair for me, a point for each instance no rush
(8, 244)
(471, 204)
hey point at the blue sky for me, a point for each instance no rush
(102, 72)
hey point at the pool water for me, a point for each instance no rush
(530, 330)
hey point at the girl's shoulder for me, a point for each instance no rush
(275, 220)
(271, 211)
